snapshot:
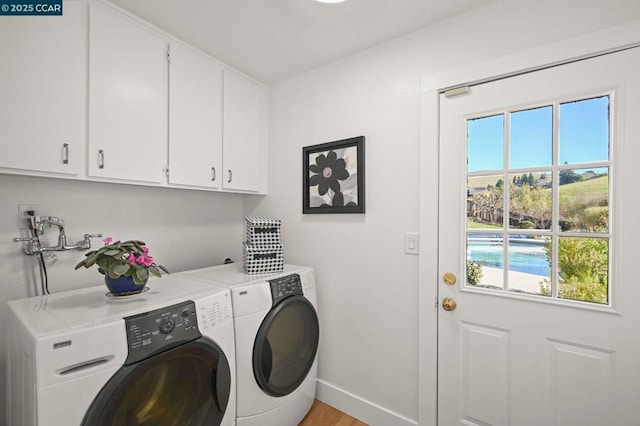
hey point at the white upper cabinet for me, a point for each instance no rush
(93, 95)
(42, 86)
(243, 125)
(127, 99)
(195, 119)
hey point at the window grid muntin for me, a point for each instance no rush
(555, 169)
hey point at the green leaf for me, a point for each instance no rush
(154, 271)
(113, 252)
(118, 269)
(140, 275)
(90, 261)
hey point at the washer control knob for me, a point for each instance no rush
(167, 325)
(185, 313)
(288, 286)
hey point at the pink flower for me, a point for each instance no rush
(145, 249)
(144, 260)
(107, 241)
(131, 259)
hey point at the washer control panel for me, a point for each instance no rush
(286, 286)
(156, 331)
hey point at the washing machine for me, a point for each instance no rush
(162, 357)
(277, 333)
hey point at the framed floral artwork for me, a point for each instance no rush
(333, 177)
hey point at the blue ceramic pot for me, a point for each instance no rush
(123, 286)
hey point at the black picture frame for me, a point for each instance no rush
(333, 177)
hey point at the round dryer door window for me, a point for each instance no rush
(187, 385)
(286, 346)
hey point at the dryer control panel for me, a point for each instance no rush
(286, 286)
(156, 331)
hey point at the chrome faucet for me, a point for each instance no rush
(42, 221)
(38, 223)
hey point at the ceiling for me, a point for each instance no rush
(272, 40)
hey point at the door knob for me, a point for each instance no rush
(449, 278)
(448, 304)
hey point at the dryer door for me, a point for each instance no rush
(186, 385)
(286, 346)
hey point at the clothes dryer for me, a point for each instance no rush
(163, 357)
(277, 333)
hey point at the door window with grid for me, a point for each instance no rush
(537, 200)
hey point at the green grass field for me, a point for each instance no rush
(597, 186)
(483, 181)
(476, 225)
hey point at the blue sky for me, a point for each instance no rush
(583, 136)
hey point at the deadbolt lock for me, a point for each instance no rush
(449, 278)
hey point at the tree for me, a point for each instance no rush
(531, 204)
(488, 205)
(568, 176)
(582, 268)
(499, 183)
(583, 263)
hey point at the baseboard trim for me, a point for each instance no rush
(359, 408)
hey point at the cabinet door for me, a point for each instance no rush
(242, 141)
(42, 81)
(127, 99)
(195, 119)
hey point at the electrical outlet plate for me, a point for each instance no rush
(22, 213)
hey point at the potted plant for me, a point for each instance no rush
(126, 266)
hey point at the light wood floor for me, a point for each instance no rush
(322, 414)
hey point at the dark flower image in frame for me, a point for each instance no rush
(338, 201)
(329, 170)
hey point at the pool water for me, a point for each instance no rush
(524, 256)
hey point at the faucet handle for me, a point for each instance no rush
(28, 239)
(31, 246)
(86, 243)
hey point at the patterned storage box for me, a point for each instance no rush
(263, 230)
(263, 259)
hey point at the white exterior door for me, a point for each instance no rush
(538, 228)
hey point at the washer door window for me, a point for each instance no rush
(285, 346)
(187, 385)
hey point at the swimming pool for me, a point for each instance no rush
(525, 255)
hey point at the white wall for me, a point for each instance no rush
(184, 230)
(367, 285)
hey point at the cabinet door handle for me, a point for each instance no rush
(213, 174)
(100, 159)
(65, 153)
(230, 176)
